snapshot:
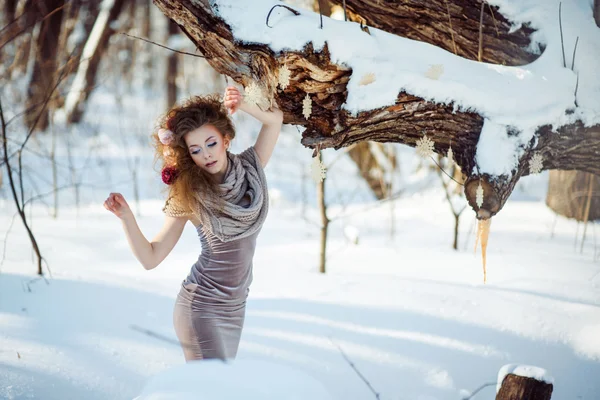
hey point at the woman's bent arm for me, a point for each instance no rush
(151, 254)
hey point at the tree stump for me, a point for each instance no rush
(518, 382)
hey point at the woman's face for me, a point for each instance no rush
(208, 148)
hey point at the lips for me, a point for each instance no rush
(211, 164)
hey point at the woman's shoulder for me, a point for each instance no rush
(249, 155)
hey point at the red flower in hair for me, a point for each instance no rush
(169, 174)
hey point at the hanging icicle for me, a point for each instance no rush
(483, 234)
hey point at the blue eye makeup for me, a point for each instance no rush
(196, 151)
(212, 144)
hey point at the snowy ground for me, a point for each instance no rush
(412, 315)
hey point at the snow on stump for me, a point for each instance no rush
(238, 379)
(523, 382)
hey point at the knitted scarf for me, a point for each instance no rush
(226, 219)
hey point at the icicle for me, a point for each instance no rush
(483, 233)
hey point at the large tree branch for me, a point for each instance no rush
(313, 73)
(450, 24)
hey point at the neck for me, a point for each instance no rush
(220, 176)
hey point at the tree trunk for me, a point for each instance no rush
(43, 77)
(93, 51)
(84, 13)
(369, 168)
(516, 387)
(313, 73)
(171, 77)
(569, 195)
(324, 222)
(9, 11)
(146, 54)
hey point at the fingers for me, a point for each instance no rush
(114, 201)
(232, 96)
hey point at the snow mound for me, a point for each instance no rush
(239, 379)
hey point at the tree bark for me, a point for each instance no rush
(313, 73)
(369, 169)
(146, 54)
(9, 11)
(45, 66)
(574, 194)
(171, 74)
(450, 24)
(515, 387)
(93, 50)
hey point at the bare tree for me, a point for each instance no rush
(45, 63)
(93, 51)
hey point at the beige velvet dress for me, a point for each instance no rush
(210, 307)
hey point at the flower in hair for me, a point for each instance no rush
(169, 174)
(166, 136)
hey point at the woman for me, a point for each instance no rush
(225, 196)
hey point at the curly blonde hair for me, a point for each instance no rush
(192, 184)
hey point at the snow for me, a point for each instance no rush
(407, 312)
(410, 313)
(526, 371)
(522, 97)
(212, 379)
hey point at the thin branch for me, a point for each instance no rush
(375, 393)
(164, 47)
(20, 209)
(28, 27)
(574, 51)
(562, 43)
(279, 5)
(12, 221)
(576, 87)
(479, 389)
(493, 19)
(480, 52)
(451, 29)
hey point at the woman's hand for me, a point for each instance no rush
(116, 204)
(232, 99)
